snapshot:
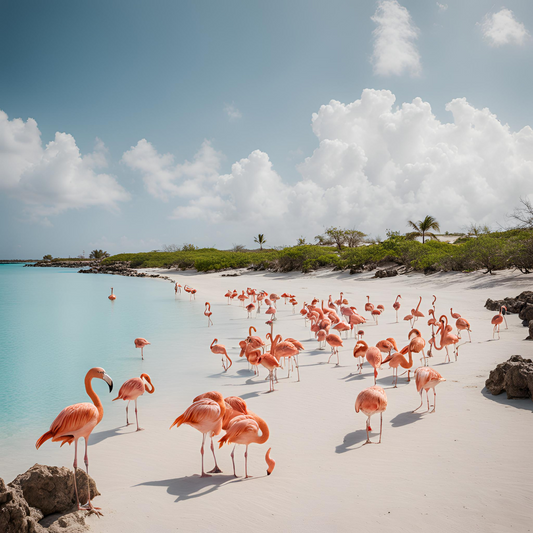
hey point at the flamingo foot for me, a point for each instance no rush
(140, 429)
(215, 470)
(90, 509)
(206, 475)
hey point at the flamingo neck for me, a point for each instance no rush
(265, 433)
(147, 378)
(94, 397)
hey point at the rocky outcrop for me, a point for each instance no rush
(530, 336)
(64, 264)
(51, 489)
(514, 376)
(121, 269)
(514, 305)
(42, 500)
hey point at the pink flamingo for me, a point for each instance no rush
(112, 296)
(397, 359)
(254, 340)
(321, 338)
(177, 288)
(205, 414)
(270, 363)
(375, 314)
(342, 326)
(462, 324)
(426, 378)
(454, 315)
(396, 306)
(271, 311)
(497, 321)
(447, 338)
(286, 349)
(373, 356)
(335, 342)
(250, 308)
(360, 334)
(416, 313)
(370, 402)
(141, 343)
(244, 429)
(368, 305)
(228, 295)
(208, 313)
(409, 318)
(359, 353)
(131, 390)
(77, 421)
(220, 349)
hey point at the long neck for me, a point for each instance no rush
(265, 433)
(94, 396)
(214, 342)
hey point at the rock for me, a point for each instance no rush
(386, 273)
(51, 489)
(15, 513)
(530, 336)
(526, 313)
(514, 376)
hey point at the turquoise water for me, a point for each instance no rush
(55, 324)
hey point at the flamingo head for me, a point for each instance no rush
(99, 373)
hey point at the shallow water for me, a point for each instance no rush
(55, 324)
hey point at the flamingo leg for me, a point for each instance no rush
(469, 337)
(142, 355)
(505, 320)
(380, 426)
(298, 368)
(202, 452)
(421, 402)
(215, 470)
(434, 400)
(246, 463)
(89, 504)
(337, 351)
(75, 465)
(127, 420)
(232, 454)
(367, 429)
(137, 417)
(427, 396)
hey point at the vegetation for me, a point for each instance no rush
(47, 257)
(260, 239)
(423, 228)
(98, 254)
(340, 237)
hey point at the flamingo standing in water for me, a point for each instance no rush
(208, 313)
(141, 343)
(205, 414)
(112, 296)
(77, 421)
(396, 306)
(497, 321)
(131, 390)
(370, 402)
(426, 378)
(220, 349)
(244, 429)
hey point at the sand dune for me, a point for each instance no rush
(468, 466)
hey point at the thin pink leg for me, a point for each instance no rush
(202, 452)
(136, 416)
(215, 470)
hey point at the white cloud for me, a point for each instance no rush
(375, 166)
(442, 7)
(502, 28)
(395, 51)
(232, 112)
(55, 178)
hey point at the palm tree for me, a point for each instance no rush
(423, 228)
(260, 239)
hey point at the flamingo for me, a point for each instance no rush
(208, 313)
(447, 338)
(77, 421)
(416, 313)
(409, 318)
(375, 314)
(427, 378)
(250, 308)
(220, 349)
(244, 429)
(254, 340)
(131, 390)
(177, 288)
(286, 349)
(397, 359)
(461, 325)
(141, 343)
(454, 315)
(112, 296)
(342, 326)
(368, 305)
(321, 337)
(235, 406)
(271, 311)
(370, 402)
(228, 295)
(205, 414)
(497, 320)
(396, 306)
(335, 342)
(416, 345)
(373, 356)
(270, 363)
(360, 334)
(359, 353)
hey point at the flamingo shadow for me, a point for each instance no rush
(249, 395)
(95, 438)
(403, 419)
(189, 487)
(351, 439)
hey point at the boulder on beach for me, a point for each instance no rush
(514, 376)
(521, 304)
(16, 516)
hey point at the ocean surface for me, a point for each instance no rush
(56, 324)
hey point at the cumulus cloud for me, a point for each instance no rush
(442, 7)
(54, 178)
(395, 51)
(232, 112)
(503, 28)
(376, 165)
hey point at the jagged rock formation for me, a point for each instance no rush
(521, 304)
(514, 376)
(30, 503)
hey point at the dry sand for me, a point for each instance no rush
(466, 467)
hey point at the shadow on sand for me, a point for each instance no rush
(403, 419)
(352, 439)
(518, 403)
(95, 438)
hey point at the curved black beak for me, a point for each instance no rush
(109, 381)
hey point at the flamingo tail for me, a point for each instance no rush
(43, 439)
(178, 422)
(270, 462)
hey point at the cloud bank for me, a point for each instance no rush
(502, 28)
(395, 51)
(376, 165)
(54, 178)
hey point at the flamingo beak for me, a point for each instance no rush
(108, 380)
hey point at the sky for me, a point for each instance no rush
(129, 125)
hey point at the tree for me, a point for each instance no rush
(260, 239)
(98, 254)
(189, 248)
(523, 215)
(171, 248)
(238, 248)
(332, 235)
(353, 237)
(47, 257)
(301, 241)
(477, 229)
(423, 228)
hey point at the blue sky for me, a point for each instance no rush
(243, 78)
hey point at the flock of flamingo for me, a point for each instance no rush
(210, 413)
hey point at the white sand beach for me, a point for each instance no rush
(467, 467)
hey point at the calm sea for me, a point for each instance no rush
(55, 324)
